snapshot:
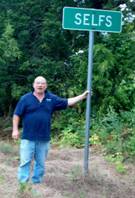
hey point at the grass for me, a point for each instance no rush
(6, 148)
(117, 161)
(26, 190)
(75, 173)
(2, 179)
(64, 176)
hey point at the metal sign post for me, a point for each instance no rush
(88, 106)
(91, 20)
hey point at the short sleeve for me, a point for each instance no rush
(60, 103)
(20, 107)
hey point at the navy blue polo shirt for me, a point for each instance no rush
(36, 115)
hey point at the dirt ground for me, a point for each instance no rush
(64, 176)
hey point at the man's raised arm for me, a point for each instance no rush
(74, 100)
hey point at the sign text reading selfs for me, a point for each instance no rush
(91, 19)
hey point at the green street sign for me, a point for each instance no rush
(91, 19)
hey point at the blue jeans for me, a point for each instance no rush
(30, 150)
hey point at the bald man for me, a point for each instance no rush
(35, 109)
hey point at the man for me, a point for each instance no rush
(35, 109)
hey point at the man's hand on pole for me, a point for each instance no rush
(74, 100)
(84, 95)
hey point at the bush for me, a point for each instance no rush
(116, 132)
(71, 139)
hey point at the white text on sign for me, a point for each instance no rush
(91, 20)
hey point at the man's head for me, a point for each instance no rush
(40, 85)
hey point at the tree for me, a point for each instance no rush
(10, 55)
(41, 47)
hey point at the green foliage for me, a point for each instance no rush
(95, 140)
(32, 42)
(120, 168)
(116, 132)
(71, 139)
(69, 133)
(10, 54)
(8, 44)
(117, 160)
(17, 91)
(130, 145)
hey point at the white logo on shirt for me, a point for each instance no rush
(48, 99)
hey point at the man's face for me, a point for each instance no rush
(40, 85)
